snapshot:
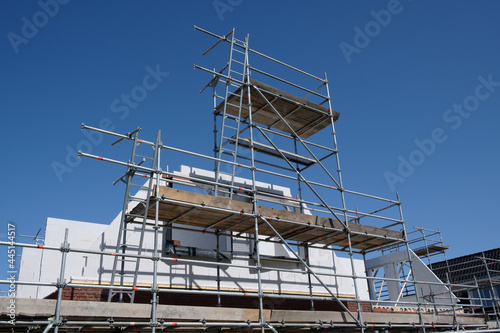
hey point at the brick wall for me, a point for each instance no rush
(80, 294)
(353, 306)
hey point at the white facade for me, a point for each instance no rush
(44, 265)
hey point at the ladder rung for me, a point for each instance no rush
(234, 94)
(140, 186)
(146, 157)
(125, 246)
(235, 72)
(227, 115)
(132, 246)
(135, 215)
(238, 62)
(235, 85)
(227, 152)
(233, 117)
(137, 199)
(133, 230)
(133, 221)
(232, 123)
(230, 118)
(241, 52)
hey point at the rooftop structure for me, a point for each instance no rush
(481, 272)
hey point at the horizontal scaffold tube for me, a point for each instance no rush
(233, 164)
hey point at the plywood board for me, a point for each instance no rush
(222, 213)
(304, 117)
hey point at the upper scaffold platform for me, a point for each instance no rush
(430, 249)
(220, 213)
(303, 116)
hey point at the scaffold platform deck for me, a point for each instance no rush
(431, 249)
(205, 211)
(303, 116)
(136, 317)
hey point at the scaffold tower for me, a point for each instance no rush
(271, 134)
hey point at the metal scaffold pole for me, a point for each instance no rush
(156, 255)
(258, 263)
(493, 293)
(61, 282)
(344, 206)
(410, 261)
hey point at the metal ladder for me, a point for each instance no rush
(238, 73)
(125, 268)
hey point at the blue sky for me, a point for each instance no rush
(417, 85)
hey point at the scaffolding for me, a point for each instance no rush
(263, 131)
(475, 279)
(426, 243)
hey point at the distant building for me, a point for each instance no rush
(481, 269)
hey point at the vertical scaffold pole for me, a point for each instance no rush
(344, 206)
(215, 131)
(479, 296)
(444, 251)
(369, 282)
(309, 280)
(61, 283)
(455, 319)
(156, 255)
(408, 253)
(426, 246)
(494, 296)
(254, 191)
(217, 235)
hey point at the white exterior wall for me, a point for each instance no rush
(29, 270)
(97, 268)
(44, 265)
(194, 276)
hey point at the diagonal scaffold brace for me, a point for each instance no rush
(308, 268)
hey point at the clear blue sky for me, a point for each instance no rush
(429, 71)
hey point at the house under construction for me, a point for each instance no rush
(260, 236)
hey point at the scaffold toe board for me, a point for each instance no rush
(222, 213)
(304, 117)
